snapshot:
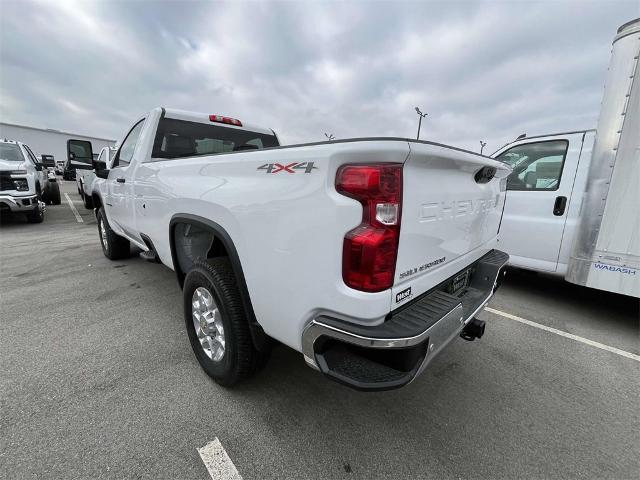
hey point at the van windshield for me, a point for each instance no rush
(10, 152)
(180, 138)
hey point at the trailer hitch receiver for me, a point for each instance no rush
(474, 329)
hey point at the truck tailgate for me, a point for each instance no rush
(451, 209)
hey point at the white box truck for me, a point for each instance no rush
(572, 206)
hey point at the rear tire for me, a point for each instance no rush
(114, 246)
(240, 359)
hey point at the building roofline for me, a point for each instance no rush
(52, 130)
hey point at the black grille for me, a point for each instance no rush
(5, 182)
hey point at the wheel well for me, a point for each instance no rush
(192, 237)
(191, 241)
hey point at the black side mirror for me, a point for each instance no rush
(79, 149)
(99, 165)
(101, 168)
(102, 173)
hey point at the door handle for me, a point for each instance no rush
(559, 206)
(120, 180)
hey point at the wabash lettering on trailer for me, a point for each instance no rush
(306, 167)
(615, 268)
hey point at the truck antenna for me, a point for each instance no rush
(420, 117)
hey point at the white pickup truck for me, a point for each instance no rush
(25, 185)
(367, 255)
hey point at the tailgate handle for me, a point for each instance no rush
(120, 180)
(559, 206)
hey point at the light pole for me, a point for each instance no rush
(482, 145)
(421, 115)
(330, 136)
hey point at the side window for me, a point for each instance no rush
(125, 154)
(536, 166)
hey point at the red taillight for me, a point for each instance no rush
(229, 120)
(370, 250)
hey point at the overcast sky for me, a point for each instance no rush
(482, 70)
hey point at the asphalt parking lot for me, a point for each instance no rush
(98, 380)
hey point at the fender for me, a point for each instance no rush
(260, 339)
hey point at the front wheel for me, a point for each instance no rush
(36, 215)
(217, 323)
(114, 246)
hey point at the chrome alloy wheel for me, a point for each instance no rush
(103, 233)
(207, 321)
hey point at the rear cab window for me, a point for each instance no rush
(180, 138)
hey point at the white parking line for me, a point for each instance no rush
(73, 209)
(217, 461)
(586, 341)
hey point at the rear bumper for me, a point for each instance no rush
(18, 204)
(392, 354)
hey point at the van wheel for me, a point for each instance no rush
(114, 246)
(217, 323)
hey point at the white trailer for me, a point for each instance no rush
(572, 206)
(48, 141)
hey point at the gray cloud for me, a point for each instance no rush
(483, 70)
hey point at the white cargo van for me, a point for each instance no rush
(573, 200)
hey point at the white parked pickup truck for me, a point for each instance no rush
(25, 185)
(367, 255)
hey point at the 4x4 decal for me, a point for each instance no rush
(307, 167)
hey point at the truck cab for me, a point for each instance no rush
(544, 195)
